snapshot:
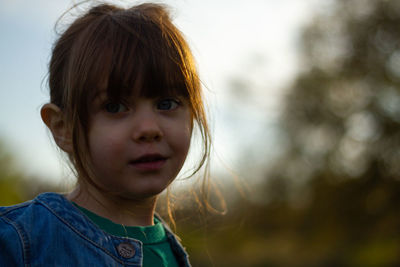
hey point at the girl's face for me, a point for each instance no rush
(138, 147)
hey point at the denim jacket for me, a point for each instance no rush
(50, 231)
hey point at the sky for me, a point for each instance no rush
(245, 52)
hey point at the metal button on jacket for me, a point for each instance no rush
(126, 250)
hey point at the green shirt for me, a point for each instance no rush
(156, 248)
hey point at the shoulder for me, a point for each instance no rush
(28, 211)
(18, 217)
(10, 217)
(13, 239)
(29, 214)
(21, 224)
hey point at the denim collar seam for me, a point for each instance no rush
(79, 233)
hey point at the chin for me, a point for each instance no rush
(143, 194)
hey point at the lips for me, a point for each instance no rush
(149, 158)
(149, 162)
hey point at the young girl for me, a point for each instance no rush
(124, 99)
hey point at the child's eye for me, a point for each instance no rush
(168, 104)
(115, 107)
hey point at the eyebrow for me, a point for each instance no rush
(97, 95)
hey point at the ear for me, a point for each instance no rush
(53, 117)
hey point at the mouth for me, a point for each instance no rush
(149, 158)
(149, 162)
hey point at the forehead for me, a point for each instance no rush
(147, 67)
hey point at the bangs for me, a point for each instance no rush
(126, 53)
(141, 58)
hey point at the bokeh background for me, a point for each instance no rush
(304, 99)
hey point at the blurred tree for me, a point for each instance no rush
(343, 112)
(10, 179)
(15, 185)
(333, 196)
(342, 119)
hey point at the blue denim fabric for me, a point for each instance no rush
(50, 231)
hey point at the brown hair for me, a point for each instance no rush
(120, 50)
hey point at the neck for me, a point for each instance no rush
(119, 209)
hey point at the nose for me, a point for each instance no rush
(147, 128)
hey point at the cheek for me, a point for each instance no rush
(183, 138)
(104, 145)
(178, 133)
